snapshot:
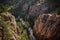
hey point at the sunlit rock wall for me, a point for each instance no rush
(47, 27)
(8, 26)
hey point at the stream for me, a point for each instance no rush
(31, 33)
(29, 29)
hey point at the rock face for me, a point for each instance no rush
(47, 27)
(9, 28)
(44, 8)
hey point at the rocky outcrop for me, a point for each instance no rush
(9, 28)
(47, 27)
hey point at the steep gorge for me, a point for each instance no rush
(30, 17)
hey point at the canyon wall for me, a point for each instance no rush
(47, 27)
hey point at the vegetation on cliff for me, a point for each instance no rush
(19, 19)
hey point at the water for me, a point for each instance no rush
(31, 33)
(22, 21)
(29, 29)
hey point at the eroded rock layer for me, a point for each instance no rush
(47, 27)
(9, 29)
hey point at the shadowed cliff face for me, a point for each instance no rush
(30, 7)
(41, 9)
(22, 6)
(47, 27)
